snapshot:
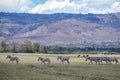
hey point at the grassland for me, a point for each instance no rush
(30, 69)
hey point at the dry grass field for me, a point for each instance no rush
(78, 69)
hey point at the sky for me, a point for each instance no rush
(60, 6)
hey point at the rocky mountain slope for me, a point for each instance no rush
(60, 28)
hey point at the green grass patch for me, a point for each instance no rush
(59, 72)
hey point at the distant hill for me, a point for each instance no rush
(60, 28)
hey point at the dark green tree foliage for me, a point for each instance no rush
(14, 47)
(4, 47)
(36, 47)
(43, 49)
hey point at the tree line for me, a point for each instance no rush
(36, 47)
(25, 47)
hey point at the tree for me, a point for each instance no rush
(43, 49)
(14, 47)
(3, 46)
(27, 47)
(36, 47)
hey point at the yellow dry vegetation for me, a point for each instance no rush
(28, 58)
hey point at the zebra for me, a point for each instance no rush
(91, 59)
(103, 59)
(12, 59)
(78, 56)
(109, 59)
(112, 59)
(62, 59)
(43, 60)
(84, 56)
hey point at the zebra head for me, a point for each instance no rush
(8, 56)
(87, 58)
(39, 58)
(59, 57)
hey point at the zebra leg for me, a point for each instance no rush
(106, 62)
(99, 62)
(44, 62)
(96, 62)
(48, 62)
(60, 62)
(110, 62)
(91, 62)
(116, 60)
(17, 62)
(68, 62)
(12, 61)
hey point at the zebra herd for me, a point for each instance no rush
(101, 59)
(47, 60)
(43, 60)
(62, 59)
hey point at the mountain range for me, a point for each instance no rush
(60, 28)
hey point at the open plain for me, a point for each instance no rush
(29, 68)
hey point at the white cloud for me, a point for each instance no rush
(57, 6)
(77, 6)
(15, 5)
(116, 6)
(110, 7)
(61, 6)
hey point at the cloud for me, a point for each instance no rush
(60, 6)
(15, 5)
(103, 7)
(77, 6)
(57, 6)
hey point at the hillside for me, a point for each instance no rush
(60, 28)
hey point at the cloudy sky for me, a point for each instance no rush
(60, 6)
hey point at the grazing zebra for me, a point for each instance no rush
(87, 55)
(112, 59)
(62, 59)
(78, 56)
(109, 59)
(103, 59)
(43, 60)
(84, 56)
(12, 58)
(91, 59)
